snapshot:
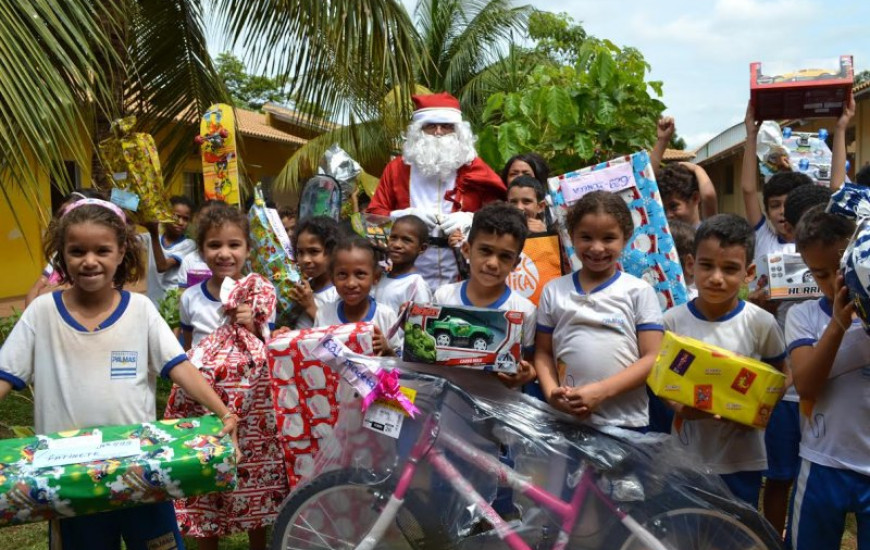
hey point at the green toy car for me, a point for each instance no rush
(454, 331)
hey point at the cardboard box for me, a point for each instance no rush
(779, 93)
(715, 380)
(461, 336)
(86, 471)
(788, 277)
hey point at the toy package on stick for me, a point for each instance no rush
(92, 470)
(133, 163)
(779, 92)
(788, 151)
(220, 163)
(650, 253)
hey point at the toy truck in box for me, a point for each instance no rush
(788, 277)
(779, 93)
(471, 337)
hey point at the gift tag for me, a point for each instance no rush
(386, 417)
(125, 199)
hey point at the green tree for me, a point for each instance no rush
(591, 103)
(247, 90)
(862, 77)
(71, 67)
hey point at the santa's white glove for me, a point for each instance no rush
(457, 220)
(428, 216)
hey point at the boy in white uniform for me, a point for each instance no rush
(167, 250)
(723, 253)
(493, 250)
(407, 240)
(830, 359)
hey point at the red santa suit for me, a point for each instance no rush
(466, 190)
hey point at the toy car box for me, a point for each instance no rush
(92, 470)
(715, 380)
(460, 336)
(788, 277)
(778, 93)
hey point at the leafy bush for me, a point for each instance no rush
(170, 306)
(7, 323)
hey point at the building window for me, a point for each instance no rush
(728, 180)
(73, 181)
(193, 187)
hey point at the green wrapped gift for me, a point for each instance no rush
(81, 472)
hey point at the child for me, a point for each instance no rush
(315, 239)
(166, 251)
(829, 353)
(684, 241)
(193, 269)
(526, 164)
(67, 341)
(223, 241)
(354, 270)
(599, 329)
(408, 239)
(492, 251)
(723, 262)
(288, 220)
(527, 194)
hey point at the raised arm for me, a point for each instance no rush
(160, 260)
(664, 132)
(749, 174)
(838, 155)
(709, 202)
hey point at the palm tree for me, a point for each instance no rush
(461, 47)
(70, 67)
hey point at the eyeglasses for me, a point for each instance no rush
(444, 127)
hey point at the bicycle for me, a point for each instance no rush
(355, 508)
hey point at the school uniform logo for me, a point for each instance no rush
(124, 365)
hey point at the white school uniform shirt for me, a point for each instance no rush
(159, 283)
(201, 313)
(81, 379)
(322, 298)
(595, 337)
(395, 291)
(748, 330)
(193, 270)
(456, 294)
(835, 430)
(381, 315)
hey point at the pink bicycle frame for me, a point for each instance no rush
(568, 512)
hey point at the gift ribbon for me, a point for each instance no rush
(388, 388)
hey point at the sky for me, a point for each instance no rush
(701, 49)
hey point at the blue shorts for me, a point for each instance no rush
(146, 527)
(745, 485)
(821, 499)
(782, 438)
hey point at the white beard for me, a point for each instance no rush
(439, 156)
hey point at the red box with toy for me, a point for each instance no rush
(461, 336)
(779, 93)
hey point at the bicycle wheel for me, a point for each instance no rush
(335, 511)
(698, 529)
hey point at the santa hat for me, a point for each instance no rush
(440, 108)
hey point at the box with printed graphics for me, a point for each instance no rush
(786, 277)
(715, 380)
(464, 336)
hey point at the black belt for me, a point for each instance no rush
(440, 242)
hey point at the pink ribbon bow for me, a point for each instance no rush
(388, 388)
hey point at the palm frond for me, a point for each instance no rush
(50, 80)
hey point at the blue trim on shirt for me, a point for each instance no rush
(545, 329)
(826, 306)
(204, 286)
(777, 359)
(466, 301)
(801, 342)
(17, 383)
(171, 364)
(576, 278)
(324, 289)
(110, 320)
(370, 312)
(271, 326)
(760, 224)
(186, 327)
(528, 350)
(408, 274)
(170, 246)
(649, 326)
(697, 313)
(176, 258)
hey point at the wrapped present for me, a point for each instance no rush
(853, 201)
(306, 392)
(715, 380)
(372, 227)
(134, 164)
(86, 471)
(787, 277)
(650, 253)
(540, 263)
(779, 92)
(464, 336)
(272, 255)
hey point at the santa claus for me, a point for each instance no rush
(440, 179)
